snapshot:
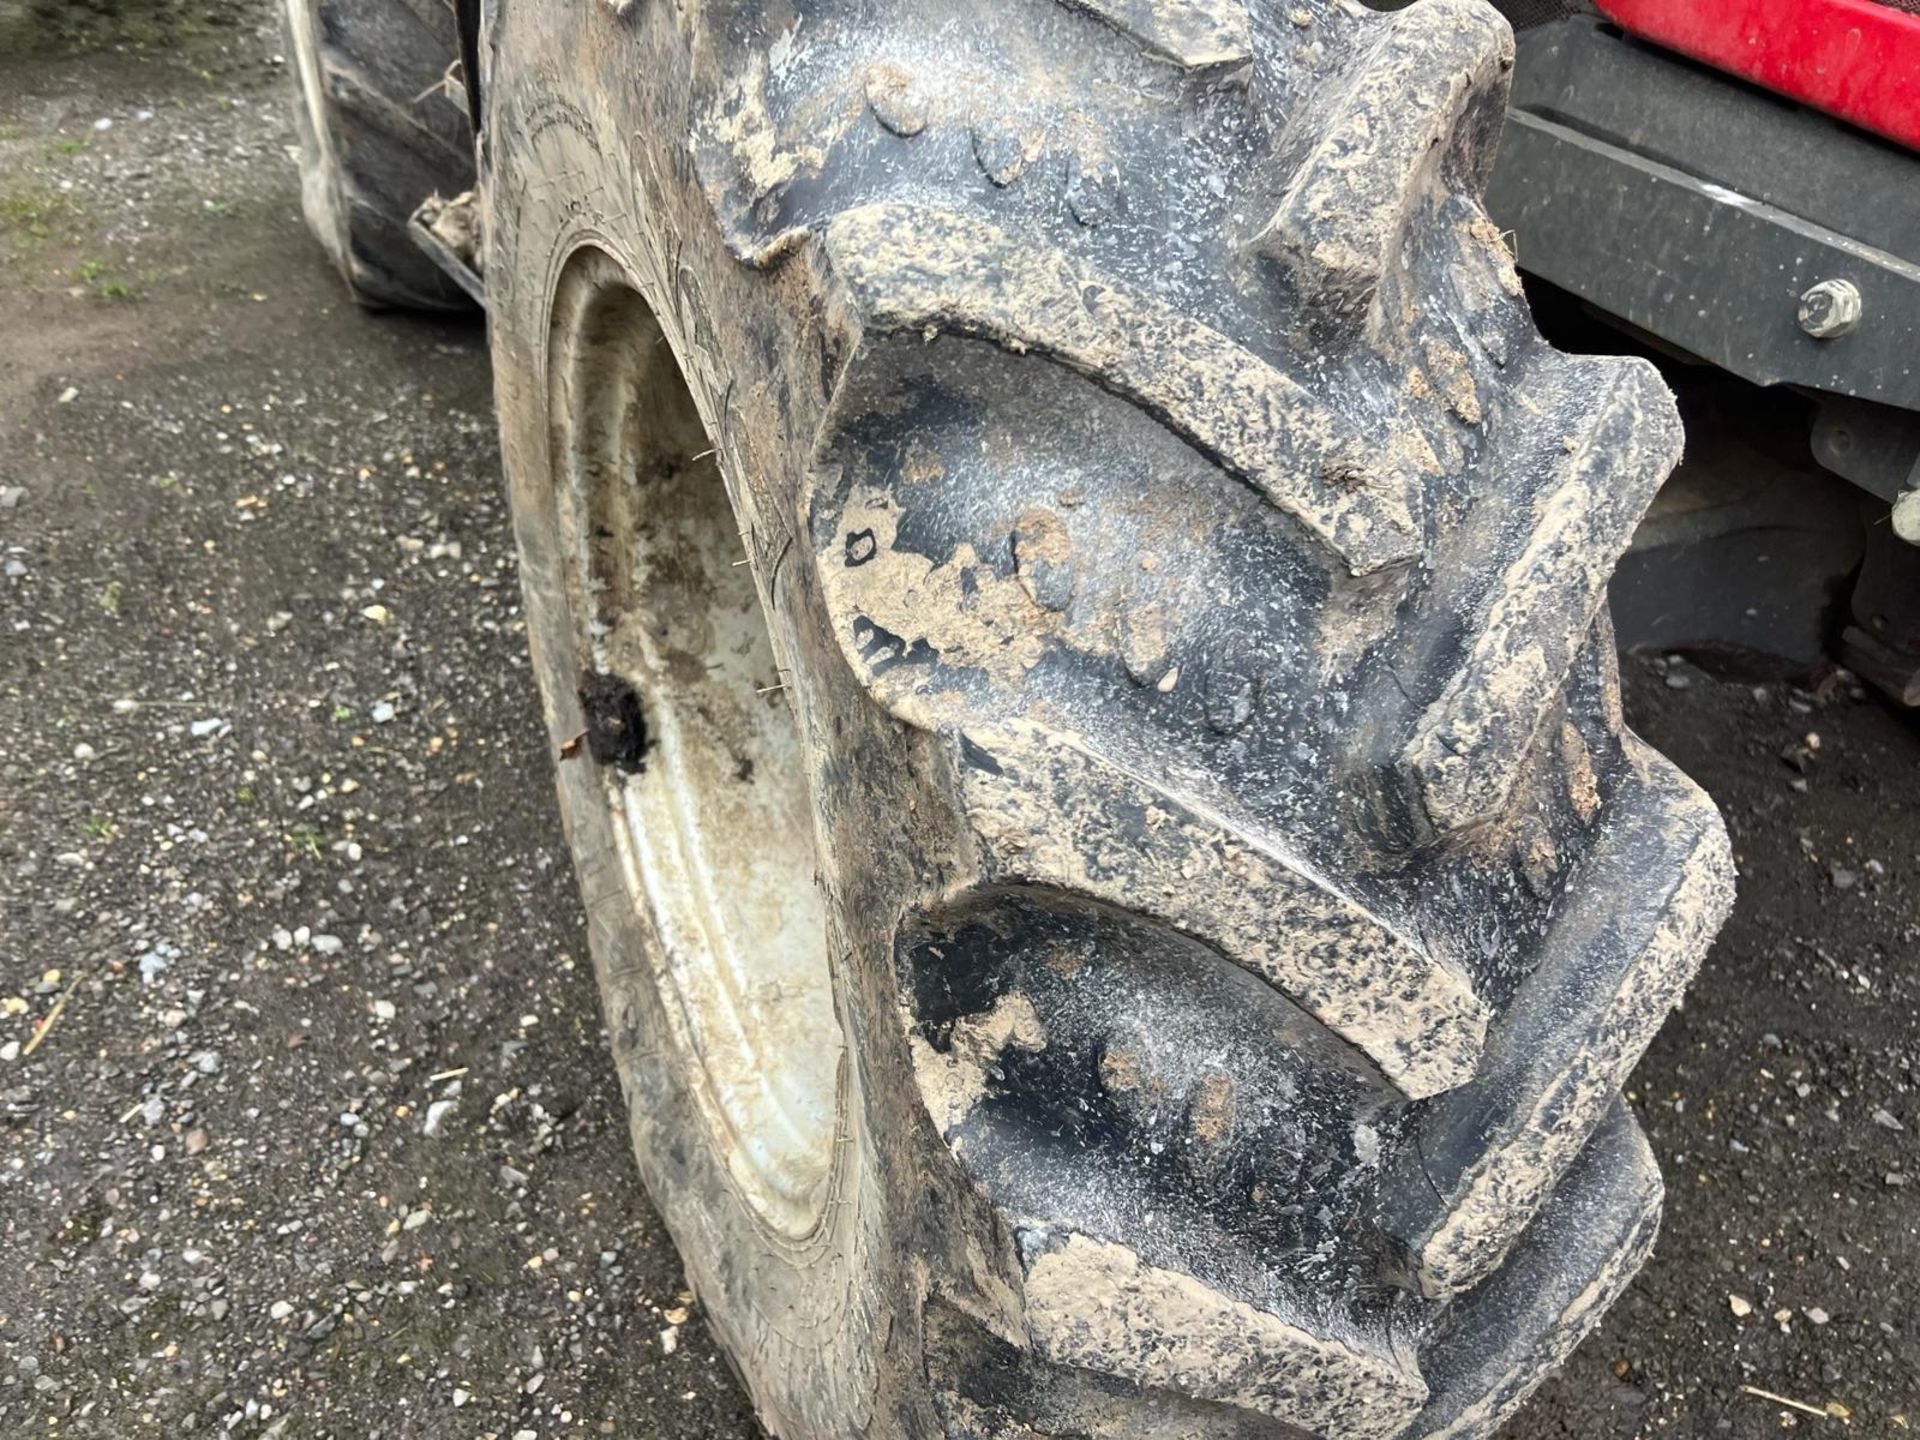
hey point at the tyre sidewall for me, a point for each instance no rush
(321, 200)
(809, 1316)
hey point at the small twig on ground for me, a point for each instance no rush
(1791, 1404)
(52, 1015)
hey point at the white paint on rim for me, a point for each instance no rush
(716, 832)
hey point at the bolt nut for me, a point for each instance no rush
(1830, 309)
(1906, 517)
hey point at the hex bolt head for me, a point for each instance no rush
(1830, 309)
(1906, 517)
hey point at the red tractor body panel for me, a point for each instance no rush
(1857, 59)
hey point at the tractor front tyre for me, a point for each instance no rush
(379, 133)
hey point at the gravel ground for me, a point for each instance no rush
(305, 1125)
(322, 1140)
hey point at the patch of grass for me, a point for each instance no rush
(34, 212)
(11, 132)
(33, 216)
(111, 597)
(98, 276)
(70, 26)
(99, 827)
(69, 145)
(307, 838)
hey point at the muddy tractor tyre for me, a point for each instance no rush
(379, 133)
(1069, 596)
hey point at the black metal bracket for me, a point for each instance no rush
(1719, 218)
(467, 14)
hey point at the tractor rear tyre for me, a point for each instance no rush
(1071, 598)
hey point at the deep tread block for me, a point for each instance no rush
(1094, 1304)
(1619, 955)
(918, 270)
(1377, 141)
(1049, 813)
(1613, 453)
(1191, 33)
(1502, 1340)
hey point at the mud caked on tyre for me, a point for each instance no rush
(1075, 596)
(380, 131)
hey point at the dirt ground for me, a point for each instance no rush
(305, 1124)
